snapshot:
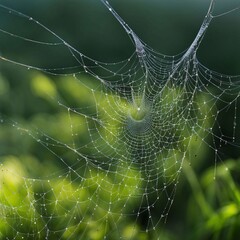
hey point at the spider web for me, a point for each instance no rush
(119, 160)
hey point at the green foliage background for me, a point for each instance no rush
(203, 208)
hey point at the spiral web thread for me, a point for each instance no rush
(143, 117)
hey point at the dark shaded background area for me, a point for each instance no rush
(168, 27)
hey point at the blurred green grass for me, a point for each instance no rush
(203, 208)
(31, 204)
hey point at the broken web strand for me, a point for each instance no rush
(184, 71)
